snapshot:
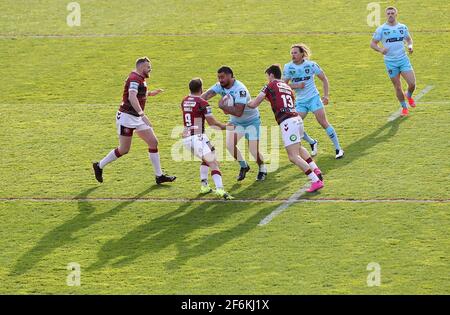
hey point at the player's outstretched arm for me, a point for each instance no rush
(212, 121)
(257, 101)
(155, 92)
(326, 87)
(208, 95)
(295, 85)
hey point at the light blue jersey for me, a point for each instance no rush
(304, 72)
(393, 38)
(240, 95)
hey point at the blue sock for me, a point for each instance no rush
(333, 136)
(243, 164)
(308, 138)
(403, 103)
(409, 94)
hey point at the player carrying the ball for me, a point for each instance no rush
(301, 72)
(130, 118)
(281, 98)
(244, 121)
(393, 35)
(195, 111)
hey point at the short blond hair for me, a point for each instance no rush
(142, 60)
(303, 49)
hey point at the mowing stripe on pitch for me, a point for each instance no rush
(294, 199)
(371, 103)
(202, 34)
(396, 114)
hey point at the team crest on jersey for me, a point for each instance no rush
(242, 93)
(293, 137)
(307, 71)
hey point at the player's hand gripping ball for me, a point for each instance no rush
(227, 100)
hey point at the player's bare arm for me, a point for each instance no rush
(300, 85)
(374, 46)
(257, 101)
(155, 92)
(409, 42)
(208, 95)
(213, 122)
(137, 107)
(326, 87)
(236, 110)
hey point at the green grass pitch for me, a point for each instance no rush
(387, 201)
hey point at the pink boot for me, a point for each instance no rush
(315, 186)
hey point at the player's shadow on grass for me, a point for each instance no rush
(64, 234)
(359, 148)
(183, 227)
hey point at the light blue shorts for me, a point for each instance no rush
(251, 129)
(395, 67)
(309, 105)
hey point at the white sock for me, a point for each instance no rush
(204, 169)
(217, 177)
(312, 165)
(313, 177)
(154, 157)
(263, 168)
(110, 157)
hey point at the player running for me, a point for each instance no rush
(393, 35)
(131, 117)
(281, 98)
(244, 121)
(301, 72)
(195, 111)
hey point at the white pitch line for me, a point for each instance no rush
(396, 114)
(285, 205)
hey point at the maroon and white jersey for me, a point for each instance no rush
(195, 109)
(134, 82)
(282, 100)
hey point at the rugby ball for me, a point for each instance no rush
(227, 100)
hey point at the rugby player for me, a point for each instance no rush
(301, 72)
(130, 118)
(195, 111)
(244, 121)
(393, 34)
(282, 98)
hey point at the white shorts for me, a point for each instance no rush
(199, 145)
(292, 130)
(127, 123)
